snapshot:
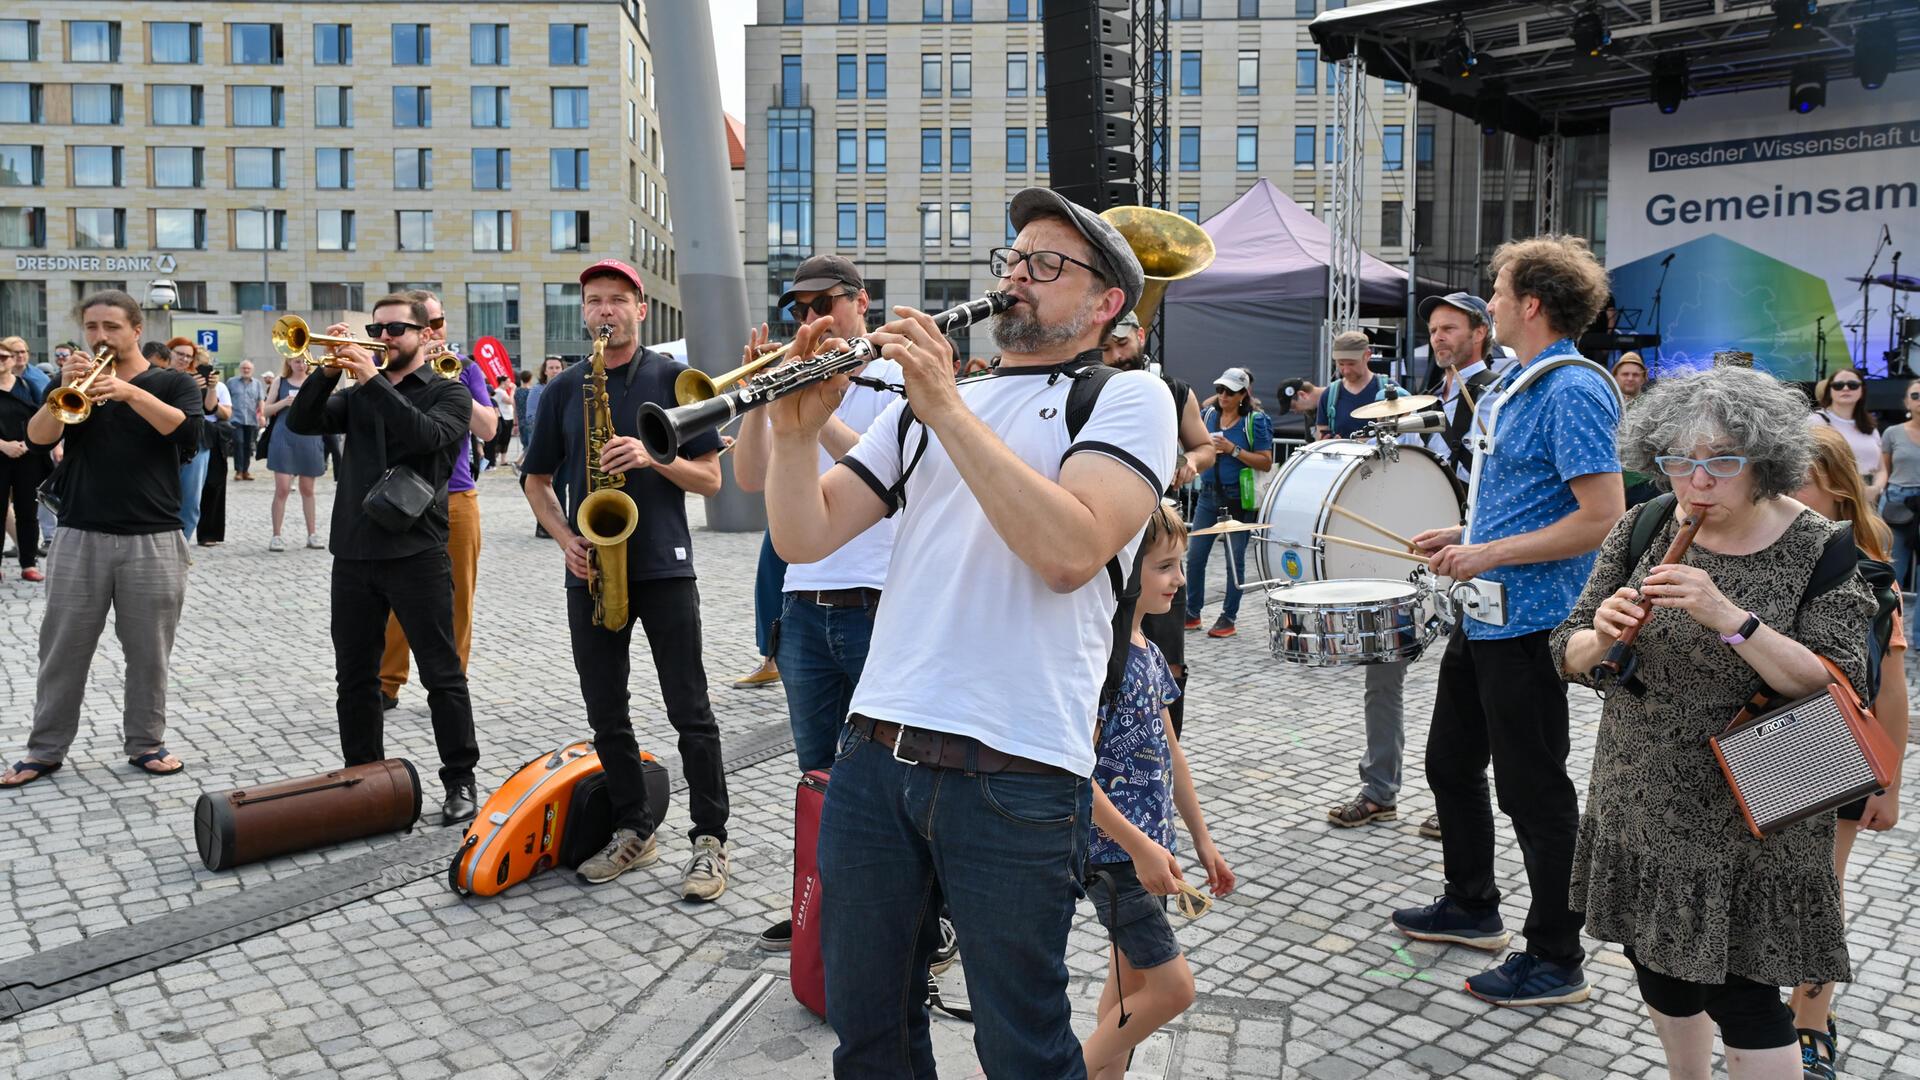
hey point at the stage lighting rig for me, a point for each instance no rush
(1671, 83)
(1876, 47)
(1457, 57)
(1807, 88)
(1793, 14)
(1490, 109)
(1590, 33)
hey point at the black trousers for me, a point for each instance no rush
(669, 611)
(213, 497)
(19, 485)
(1501, 701)
(418, 590)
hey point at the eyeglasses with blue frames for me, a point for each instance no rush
(1041, 265)
(1723, 466)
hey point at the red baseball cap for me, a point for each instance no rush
(615, 268)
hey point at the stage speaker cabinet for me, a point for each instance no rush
(1090, 102)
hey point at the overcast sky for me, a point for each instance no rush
(730, 18)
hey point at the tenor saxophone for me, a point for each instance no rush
(607, 515)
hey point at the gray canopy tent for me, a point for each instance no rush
(1262, 303)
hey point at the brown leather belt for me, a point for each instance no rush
(840, 598)
(941, 750)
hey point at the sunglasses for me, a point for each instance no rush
(1846, 385)
(438, 322)
(391, 329)
(1041, 265)
(819, 305)
(1915, 396)
(1724, 466)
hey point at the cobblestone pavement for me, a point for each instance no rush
(1298, 973)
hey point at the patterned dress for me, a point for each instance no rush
(1664, 863)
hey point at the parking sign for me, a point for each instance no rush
(209, 340)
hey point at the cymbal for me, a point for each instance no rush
(1231, 526)
(1399, 406)
(1903, 282)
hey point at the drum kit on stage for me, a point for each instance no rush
(1332, 549)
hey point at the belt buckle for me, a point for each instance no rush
(899, 739)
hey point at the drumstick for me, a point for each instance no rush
(1375, 526)
(1466, 398)
(1375, 548)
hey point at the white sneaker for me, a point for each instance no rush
(276, 544)
(313, 541)
(706, 875)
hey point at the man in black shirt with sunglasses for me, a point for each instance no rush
(399, 415)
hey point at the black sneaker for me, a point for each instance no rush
(1447, 922)
(1525, 979)
(948, 950)
(778, 937)
(389, 702)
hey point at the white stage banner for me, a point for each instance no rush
(1750, 220)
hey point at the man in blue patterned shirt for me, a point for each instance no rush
(1548, 491)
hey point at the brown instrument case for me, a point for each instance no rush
(248, 824)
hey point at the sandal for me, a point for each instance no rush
(1361, 811)
(1811, 1063)
(38, 769)
(147, 759)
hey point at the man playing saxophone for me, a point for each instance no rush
(591, 407)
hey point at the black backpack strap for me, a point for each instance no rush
(898, 494)
(1654, 513)
(1838, 561)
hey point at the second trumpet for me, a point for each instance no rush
(292, 338)
(70, 404)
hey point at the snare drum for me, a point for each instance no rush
(1361, 621)
(1403, 488)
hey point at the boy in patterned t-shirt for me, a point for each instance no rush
(1139, 778)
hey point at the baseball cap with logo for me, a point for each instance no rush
(820, 273)
(1234, 379)
(614, 268)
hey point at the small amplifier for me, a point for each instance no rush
(1802, 759)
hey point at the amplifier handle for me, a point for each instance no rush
(241, 798)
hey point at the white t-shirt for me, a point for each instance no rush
(862, 562)
(969, 640)
(1866, 445)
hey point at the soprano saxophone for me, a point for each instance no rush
(607, 516)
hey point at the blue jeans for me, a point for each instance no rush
(1210, 511)
(821, 652)
(193, 477)
(769, 581)
(1903, 545)
(1006, 853)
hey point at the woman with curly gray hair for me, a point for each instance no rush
(1714, 921)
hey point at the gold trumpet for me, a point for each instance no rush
(1168, 246)
(70, 404)
(445, 359)
(291, 338)
(694, 385)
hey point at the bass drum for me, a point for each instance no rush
(1408, 493)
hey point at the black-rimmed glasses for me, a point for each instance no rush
(819, 305)
(1041, 265)
(1848, 385)
(391, 329)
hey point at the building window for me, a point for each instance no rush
(173, 43)
(493, 230)
(876, 227)
(333, 169)
(1040, 72)
(846, 143)
(1336, 151)
(493, 310)
(99, 227)
(96, 104)
(254, 43)
(22, 166)
(412, 44)
(563, 312)
(929, 224)
(1246, 149)
(250, 230)
(633, 61)
(178, 167)
(493, 169)
(332, 107)
(1190, 211)
(182, 230)
(876, 10)
(413, 169)
(929, 150)
(1423, 145)
(93, 42)
(415, 229)
(333, 44)
(1017, 150)
(876, 150)
(962, 150)
(1042, 161)
(1393, 147)
(249, 296)
(1249, 71)
(1249, 9)
(846, 224)
(257, 167)
(23, 227)
(1303, 140)
(19, 40)
(792, 86)
(930, 10)
(929, 74)
(567, 44)
(1394, 86)
(412, 107)
(569, 106)
(960, 224)
(795, 11)
(962, 10)
(567, 170)
(790, 222)
(876, 75)
(489, 46)
(340, 295)
(962, 74)
(1304, 9)
(846, 70)
(96, 166)
(1190, 149)
(1017, 11)
(1017, 75)
(633, 122)
(1390, 218)
(488, 106)
(1306, 71)
(20, 103)
(849, 11)
(1185, 9)
(175, 106)
(569, 230)
(1189, 71)
(257, 106)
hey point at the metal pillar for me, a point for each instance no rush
(1546, 171)
(1344, 224)
(713, 284)
(1150, 95)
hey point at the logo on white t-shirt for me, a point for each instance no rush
(1049, 413)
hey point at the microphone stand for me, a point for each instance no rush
(1666, 264)
(1866, 295)
(1893, 320)
(1819, 348)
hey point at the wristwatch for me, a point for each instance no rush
(1747, 630)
